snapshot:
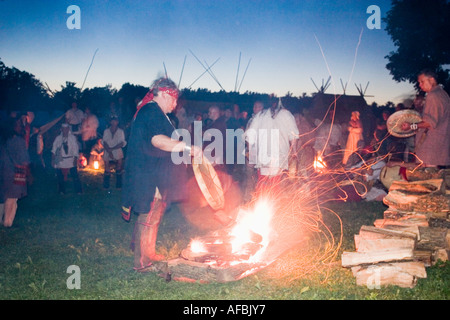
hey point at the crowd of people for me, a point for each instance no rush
(272, 141)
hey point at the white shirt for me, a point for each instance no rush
(74, 117)
(272, 139)
(66, 159)
(112, 141)
(89, 127)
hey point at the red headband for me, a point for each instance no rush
(149, 96)
(170, 91)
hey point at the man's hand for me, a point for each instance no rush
(406, 126)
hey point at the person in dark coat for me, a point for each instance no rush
(151, 179)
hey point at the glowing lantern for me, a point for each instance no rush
(96, 165)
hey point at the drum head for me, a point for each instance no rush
(395, 121)
(209, 183)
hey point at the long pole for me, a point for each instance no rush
(203, 73)
(237, 73)
(182, 69)
(207, 69)
(85, 77)
(245, 72)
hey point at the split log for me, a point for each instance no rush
(350, 259)
(418, 196)
(420, 222)
(414, 230)
(185, 269)
(447, 240)
(440, 254)
(424, 256)
(402, 215)
(368, 245)
(432, 238)
(370, 232)
(402, 274)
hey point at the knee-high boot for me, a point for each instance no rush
(146, 232)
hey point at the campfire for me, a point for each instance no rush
(244, 242)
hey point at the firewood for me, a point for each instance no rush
(423, 256)
(403, 215)
(350, 259)
(368, 245)
(185, 269)
(432, 238)
(440, 254)
(370, 232)
(419, 196)
(402, 274)
(381, 223)
(412, 230)
(447, 240)
(421, 187)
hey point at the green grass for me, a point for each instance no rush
(52, 232)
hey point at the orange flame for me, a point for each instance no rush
(251, 223)
(319, 164)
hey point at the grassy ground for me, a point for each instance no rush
(52, 232)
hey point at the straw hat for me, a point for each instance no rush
(394, 123)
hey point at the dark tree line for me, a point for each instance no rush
(420, 31)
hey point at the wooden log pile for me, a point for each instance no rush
(413, 234)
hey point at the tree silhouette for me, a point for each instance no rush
(21, 91)
(421, 31)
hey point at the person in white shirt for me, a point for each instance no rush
(272, 132)
(74, 117)
(89, 128)
(65, 152)
(113, 141)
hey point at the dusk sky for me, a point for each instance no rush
(135, 39)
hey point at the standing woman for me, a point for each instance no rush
(152, 180)
(355, 135)
(14, 166)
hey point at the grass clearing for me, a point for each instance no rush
(52, 232)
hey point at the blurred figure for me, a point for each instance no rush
(65, 152)
(14, 171)
(355, 138)
(381, 139)
(74, 117)
(113, 141)
(272, 133)
(89, 128)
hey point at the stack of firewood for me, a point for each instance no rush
(413, 234)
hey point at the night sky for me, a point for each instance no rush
(283, 43)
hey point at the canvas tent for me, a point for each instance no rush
(344, 105)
